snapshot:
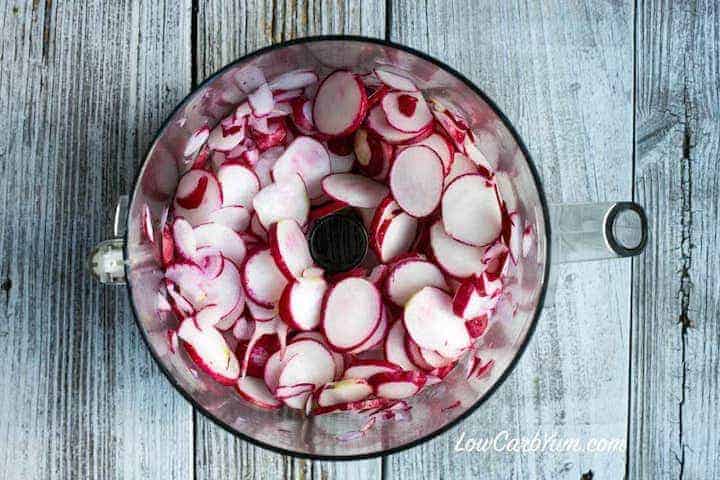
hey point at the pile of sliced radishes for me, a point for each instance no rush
(256, 313)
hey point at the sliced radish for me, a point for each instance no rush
(283, 199)
(226, 324)
(395, 347)
(376, 338)
(283, 96)
(239, 184)
(222, 239)
(413, 352)
(434, 359)
(470, 303)
(308, 158)
(261, 351)
(181, 306)
(261, 101)
(190, 279)
(163, 305)
(302, 116)
(243, 328)
(183, 237)
(301, 303)
(354, 190)
(290, 391)
(343, 391)
(265, 163)
(407, 111)
(367, 368)
(167, 246)
(359, 406)
(173, 341)
(254, 391)
(470, 210)
(407, 277)
(352, 310)
(196, 140)
(223, 141)
(394, 236)
(235, 217)
(397, 385)
(340, 104)
(268, 133)
(147, 224)
(208, 349)
(378, 273)
(416, 180)
(461, 165)
(307, 361)
(477, 326)
(455, 258)
(395, 81)
(326, 209)
(197, 196)
(261, 329)
(272, 369)
(484, 167)
(378, 124)
(289, 248)
(440, 145)
(431, 323)
(224, 291)
(256, 228)
(338, 358)
(295, 79)
(455, 132)
(261, 278)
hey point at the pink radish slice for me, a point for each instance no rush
(243, 328)
(184, 240)
(477, 326)
(147, 224)
(163, 305)
(343, 391)
(307, 361)
(416, 180)
(254, 391)
(207, 317)
(261, 330)
(259, 313)
(395, 347)
(470, 210)
(208, 349)
(271, 372)
(197, 196)
(239, 184)
(235, 217)
(378, 124)
(461, 165)
(224, 291)
(196, 140)
(340, 104)
(354, 190)
(295, 79)
(326, 209)
(282, 96)
(407, 111)
(394, 236)
(173, 341)
(190, 279)
(181, 306)
(352, 310)
(256, 228)
(301, 303)
(222, 239)
(283, 199)
(261, 101)
(376, 338)
(413, 353)
(397, 385)
(338, 358)
(359, 406)
(448, 123)
(477, 157)
(226, 324)
(468, 303)
(289, 248)
(287, 392)
(431, 323)
(408, 277)
(261, 278)
(221, 141)
(395, 81)
(265, 163)
(434, 359)
(302, 115)
(268, 134)
(368, 152)
(306, 157)
(455, 258)
(367, 368)
(440, 145)
(261, 351)
(232, 124)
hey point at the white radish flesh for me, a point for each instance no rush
(307, 361)
(196, 140)
(352, 311)
(301, 303)
(367, 368)
(395, 81)
(407, 111)
(408, 277)
(289, 248)
(239, 184)
(461, 165)
(354, 190)
(416, 180)
(340, 104)
(455, 258)
(235, 217)
(470, 210)
(295, 79)
(256, 392)
(395, 352)
(261, 101)
(208, 349)
(282, 199)
(306, 157)
(378, 124)
(222, 239)
(394, 236)
(397, 385)
(262, 280)
(197, 196)
(343, 391)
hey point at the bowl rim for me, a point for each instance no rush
(541, 297)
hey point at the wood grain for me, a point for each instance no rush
(562, 71)
(226, 31)
(83, 86)
(675, 351)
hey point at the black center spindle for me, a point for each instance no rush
(338, 242)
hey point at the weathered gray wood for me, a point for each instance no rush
(562, 71)
(676, 337)
(83, 87)
(226, 31)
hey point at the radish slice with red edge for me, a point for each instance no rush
(221, 141)
(256, 392)
(302, 115)
(256, 228)
(394, 236)
(359, 406)
(454, 258)
(224, 291)
(413, 353)
(262, 280)
(342, 391)
(295, 79)
(272, 369)
(440, 145)
(261, 351)
(470, 210)
(282, 96)
(301, 303)
(461, 165)
(287, 392)
(326, 209)
(407, 277)
(222, 239)
(340, 104)
(261, 101)
(395, 81)
(416, 180)
(376, 338)
(235, 217)
(407, 111)
(378, 124)
(367, 368)
(354, 190)
(184, 240)
(289, 248)
(196, 140)
(209, 351)
(197, 196)
(265, 163)
(261, 329)
(468, 302)
(307, 361)
(239, 184)
(352, 310)
(259, 313)
(282, 199)
(306, 157)
(397, 385)
(477, 326)
(431, 323)
(395, 347)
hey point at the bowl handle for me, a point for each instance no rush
(107, 259)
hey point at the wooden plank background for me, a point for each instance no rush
(614, 99)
